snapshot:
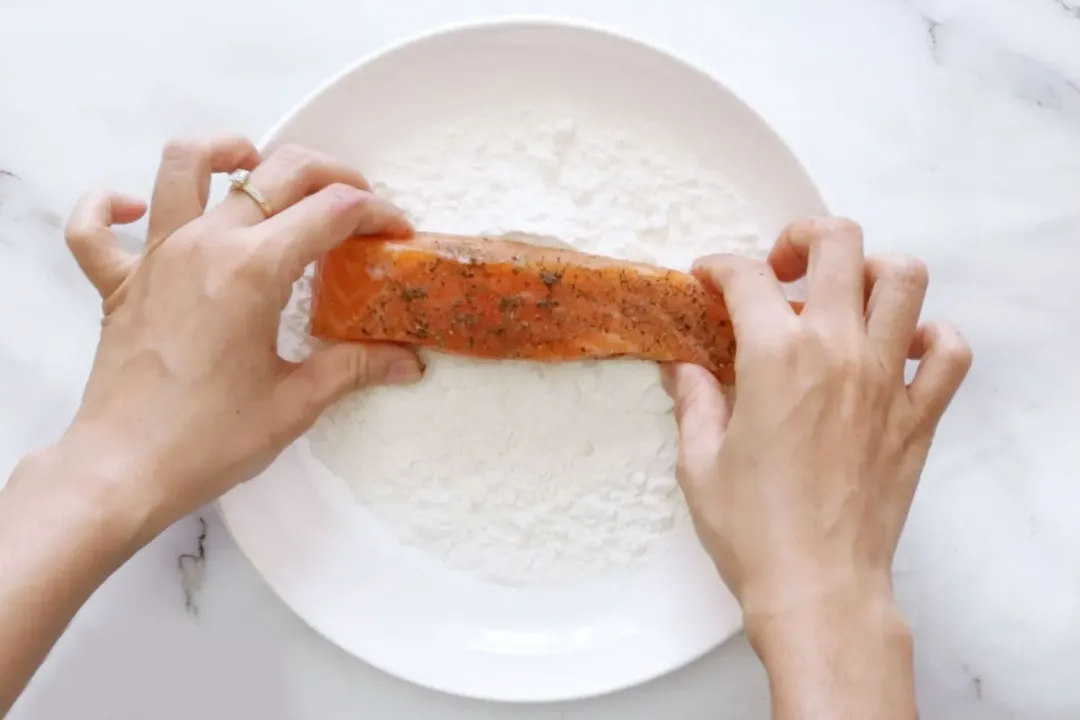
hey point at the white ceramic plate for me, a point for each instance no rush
(333, 563)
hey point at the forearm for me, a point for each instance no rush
(847, 657)
(63, 531)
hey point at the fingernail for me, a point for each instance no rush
(403, 371)
(346, 195)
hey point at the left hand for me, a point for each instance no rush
(188, 396)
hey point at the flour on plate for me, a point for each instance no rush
(526, 473)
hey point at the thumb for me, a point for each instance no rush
(702, 412)
(334, 371)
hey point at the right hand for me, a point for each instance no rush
(800, 489)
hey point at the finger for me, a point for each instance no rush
(829, 252)
(751, 292)
(183, 180)
(336, 370)
(892, 315)
(94, 245)
(285, 178)
(702, 413)
(322, 221)
(944, 360)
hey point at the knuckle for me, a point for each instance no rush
(781, 342)
(815, 336)
(681, 473)
(80, 228)
(339, 193)
(296, 159)
(849, 363)
(840, 350)
(241, 278)
(181, 149)
(290, 151)
(734, 274)
(839, 227)
(77, 234)
(819, 228)
(230, 149)
(357, 369)
(746, 266)
(258, 259)
(769, 347)
(260, 268)
(301, 167)
(711, 267)
(801, 335)
(952, 345)
(78, 238)
(962, 358)
(688, 404)
(234, 141)
(910, 271)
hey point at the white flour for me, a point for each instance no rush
(523, 472)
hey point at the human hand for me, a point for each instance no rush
(800, 489)
(188, 396)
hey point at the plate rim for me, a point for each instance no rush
(514, 21)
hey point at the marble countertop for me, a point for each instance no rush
(949, 128)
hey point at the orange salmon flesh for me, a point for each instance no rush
(503, 299)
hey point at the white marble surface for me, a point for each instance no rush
(950, 128)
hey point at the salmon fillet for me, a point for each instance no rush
(502, 299)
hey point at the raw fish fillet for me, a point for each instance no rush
(501, 299)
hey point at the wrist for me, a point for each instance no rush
(96, 488)
(867, 609)
(847, 652)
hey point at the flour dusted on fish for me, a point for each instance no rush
(525, 473)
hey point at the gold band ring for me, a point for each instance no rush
(239, 181)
